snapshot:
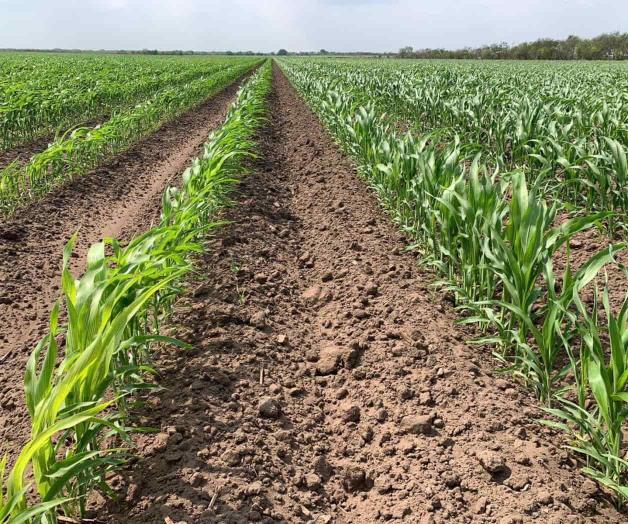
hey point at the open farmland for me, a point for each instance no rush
(336, 290)
(85, 119)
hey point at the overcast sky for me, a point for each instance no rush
(266, 25)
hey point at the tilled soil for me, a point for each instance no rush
(22, 153)
(120, 198)
(328, 380)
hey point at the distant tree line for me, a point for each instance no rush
(608, 46)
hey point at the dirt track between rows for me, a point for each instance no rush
(328, 380)
(119, 199)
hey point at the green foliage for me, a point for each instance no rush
(564, 125)
(41, 94)
(608, 46)
(82, 149)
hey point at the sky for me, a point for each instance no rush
(299, 25)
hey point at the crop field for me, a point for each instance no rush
(244, 289)
(58, 98)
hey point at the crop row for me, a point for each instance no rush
(85, 148)
(43, 94)
(77, 402)
(493, 238)
(564, 125)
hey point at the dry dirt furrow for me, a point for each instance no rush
(328, 381)
(120, 198)
(22, 153)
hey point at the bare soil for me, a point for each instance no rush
(22, 154)
(328, 380)
(120, 198)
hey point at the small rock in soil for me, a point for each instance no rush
(323, 468)
(406, 393)
(258, 320)
(355, 479)
(544, 498)
(371, 289)
(425, 398)
(517, 482)
(360, 314)
(406, 446)
(312, 481)
(417, 424)
(383, 485)
(160, 443)
(332, 356)
(575, 243)
(492, 462)
(231, 457)
(480, 505)
(269, 408)
(452, 480)
(255, 488)
(342, 393)
(312, 294)
(351, 414)
(196, 479)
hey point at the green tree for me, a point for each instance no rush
(406, 52)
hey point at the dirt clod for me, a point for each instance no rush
(351, 414)
(355, 479)
(417, 424)
(492, 462)
(269, 408)
(332, 356)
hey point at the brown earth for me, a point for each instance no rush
(328, 380)
(582, 247)
(22, 153)
(120, 198)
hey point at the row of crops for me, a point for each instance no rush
(81, 149)
(44, 93)
(565, 125)
(76, 397)
(503, 165)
